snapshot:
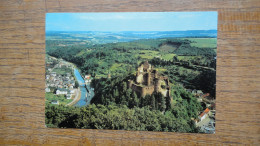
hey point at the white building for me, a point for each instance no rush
(71, 87)
(53, 74)
(203, 115)
(55, 102)
(61, 91)
(72, 91)
(47, 90)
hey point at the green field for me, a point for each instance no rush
(168, 56)
(167, 48)
(147, 54)
(186, 58)
(203, 42)
(61, 98)
(62, 70)
(160, 69)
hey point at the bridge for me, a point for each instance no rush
(82, 84)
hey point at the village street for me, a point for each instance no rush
(76, 98)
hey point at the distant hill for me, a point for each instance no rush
(98, 37)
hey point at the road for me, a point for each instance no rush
(76, 98)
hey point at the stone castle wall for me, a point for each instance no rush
(138, 89)
(148, 90)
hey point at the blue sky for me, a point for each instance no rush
(132, 21)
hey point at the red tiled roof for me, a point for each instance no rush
(204, 112)
(205, 95)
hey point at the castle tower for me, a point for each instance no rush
(168, 92)
(157, 85)
(146, 66)
(148, 78)
(155, 74)
(136, 77)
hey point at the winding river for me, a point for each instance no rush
(84, 100)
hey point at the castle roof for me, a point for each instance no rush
(146, 65)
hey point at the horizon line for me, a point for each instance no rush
(131, 30)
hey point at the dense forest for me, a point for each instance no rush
(186, 63)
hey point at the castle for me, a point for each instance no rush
(148, 81)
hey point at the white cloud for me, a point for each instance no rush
(116, 16)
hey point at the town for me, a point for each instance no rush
(60, 81)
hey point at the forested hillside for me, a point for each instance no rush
(116, 107)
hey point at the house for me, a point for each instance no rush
(204, 114)
(47, 90)
(87, 77)
(199, 99)
(55, 102)
(213, 106)
(72, 91)
(205, 95)
(194, 91)
(61, 91)
(68, 96)
(72, 82)
(53, 74)
(71, 87)
(68, 74)
(59, 86)
(199, 93)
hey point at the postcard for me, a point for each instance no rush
(142, 71)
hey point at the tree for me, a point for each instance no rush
(153, 102)
(134, 102)
(123, 100)
(163, 104)
(76, 84)
(175, 59)
(124, 86)
(168, 103)
(103, 99)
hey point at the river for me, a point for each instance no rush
(90, 93)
